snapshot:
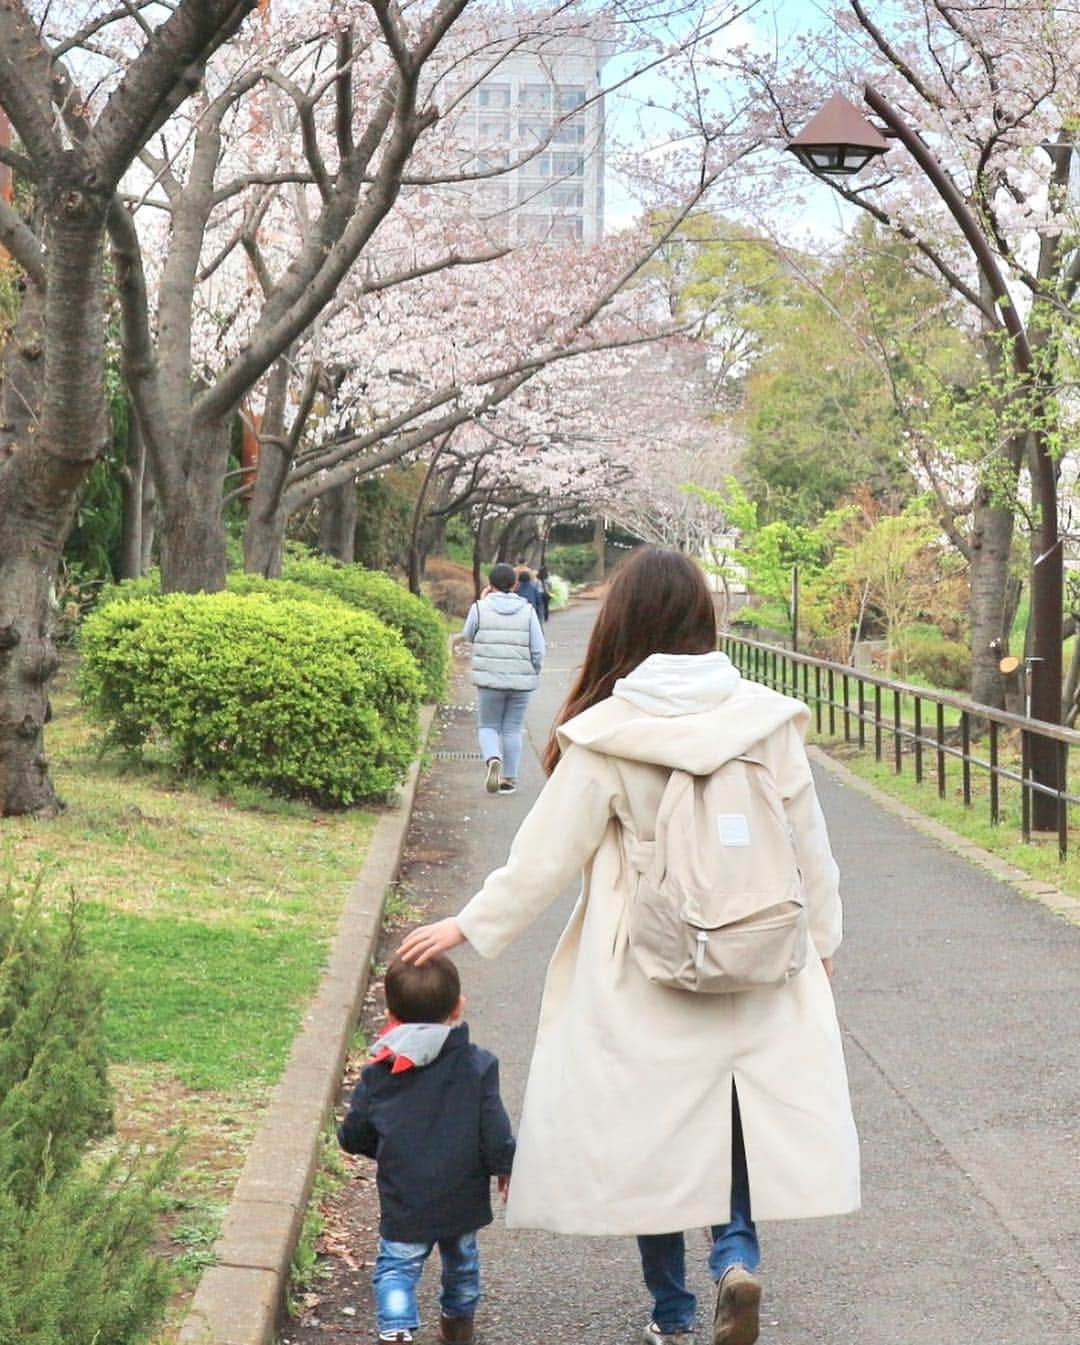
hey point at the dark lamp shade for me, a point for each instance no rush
(838, 140)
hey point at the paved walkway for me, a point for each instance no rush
(960, 1003)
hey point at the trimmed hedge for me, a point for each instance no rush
(306, 699)
(312, 579)
(417, 620)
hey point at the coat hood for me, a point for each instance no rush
(690, 712)
(505, 603)
(412, 1045)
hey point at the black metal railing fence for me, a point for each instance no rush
(911, 721)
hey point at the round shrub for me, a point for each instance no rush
(419, 623)
(306, 699)
(945, 664)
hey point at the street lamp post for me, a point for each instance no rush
(839, 140)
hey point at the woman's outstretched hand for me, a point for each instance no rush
(429, 940)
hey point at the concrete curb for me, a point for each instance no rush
(239, 1300)
(1035, 889)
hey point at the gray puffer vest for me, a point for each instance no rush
(500, 652)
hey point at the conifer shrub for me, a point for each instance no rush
(305, 699)
(76, 1233)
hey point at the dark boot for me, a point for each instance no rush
(456, 1330)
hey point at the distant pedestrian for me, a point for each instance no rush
(428, 1110)
(531, 591)
(543, 578)
(507, 656)
(649, 1109)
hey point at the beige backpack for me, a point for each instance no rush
(718, 905)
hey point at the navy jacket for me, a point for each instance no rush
(438, 1133)
(532, 592)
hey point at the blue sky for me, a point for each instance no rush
(770, 23)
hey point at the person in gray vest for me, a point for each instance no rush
(507, 655)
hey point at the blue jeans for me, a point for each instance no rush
(663, 1255)
(502, 719)
(398, 1267)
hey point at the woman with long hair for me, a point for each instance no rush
(650, 1110)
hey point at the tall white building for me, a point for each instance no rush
(542, 110)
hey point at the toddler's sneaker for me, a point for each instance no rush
(507, 786)
(654, 1336)
(738, 1303)
(401, 1337)
(491, 780)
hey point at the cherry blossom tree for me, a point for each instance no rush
(991, 92)
(79, 123)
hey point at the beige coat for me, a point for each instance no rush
(626, 1124)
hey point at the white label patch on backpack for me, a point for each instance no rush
(734, 828)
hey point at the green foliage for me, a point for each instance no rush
(385, 507)
(54, 1096)
(311, 579)
(943, 663)
(765, 556)
(559, 591)
(304, 699)
(416, 619)
(76, 1266)
(576, 563)
(76, 1261)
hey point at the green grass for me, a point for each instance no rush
(1038, 857)
(219, 1004)
(211, 916)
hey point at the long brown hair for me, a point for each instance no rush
(658, 603)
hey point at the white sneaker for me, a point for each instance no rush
(491, 780)
(507, 786)
(652, 1335)
(401, 1337)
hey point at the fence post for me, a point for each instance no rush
(965, 759)
(847, 709)
(995, 810)
(1062, 800)
(898, 746)
(940, 750)
(1025, 792)
(862, 714)
(832, 704)
(918, 740)
(877, 722)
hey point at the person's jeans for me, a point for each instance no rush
(663, 1255)
(398, 1266)
(501, 722)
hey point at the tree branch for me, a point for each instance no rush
(21, 241)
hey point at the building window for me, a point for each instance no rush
(568, 195)
(567, 165)
(570, 132)
(535, 97)
(567, 228)
(570, 96)
(534, 132)
(493, 95)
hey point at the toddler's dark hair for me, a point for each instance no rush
(424, 994)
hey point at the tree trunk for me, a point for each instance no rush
(337, 523)
(148, 520)
(40, 479)
(988, 601)
(192, 522)
(132, 548)
(599, 543)
(21, 372)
